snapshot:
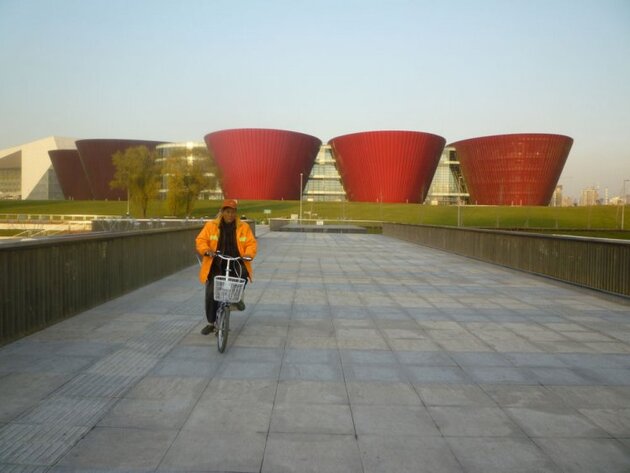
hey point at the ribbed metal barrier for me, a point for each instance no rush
(590, 262)
(46, 280)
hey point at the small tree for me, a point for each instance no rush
(138, 172)
(186, 179)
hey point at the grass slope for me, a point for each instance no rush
(557, 218)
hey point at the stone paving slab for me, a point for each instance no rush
(357, 353)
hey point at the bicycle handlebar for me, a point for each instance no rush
(228, 258)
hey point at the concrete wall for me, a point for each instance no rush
(49, 279)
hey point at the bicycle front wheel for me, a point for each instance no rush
(223, 328)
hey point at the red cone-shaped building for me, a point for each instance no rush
(263, 164)
(387, 166)
(70, 174)
(96, 158)
(514, 169)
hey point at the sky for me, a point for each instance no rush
(177, 70)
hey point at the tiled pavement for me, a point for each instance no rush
(357, 353)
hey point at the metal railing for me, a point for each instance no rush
(45, 281)
(595, 263)
(10, 217)
(373, 226)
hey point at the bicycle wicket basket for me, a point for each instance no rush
(228, 289)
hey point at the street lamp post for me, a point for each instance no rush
(301, 176)
(623, 205)
(459, 201)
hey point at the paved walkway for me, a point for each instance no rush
(357, 353)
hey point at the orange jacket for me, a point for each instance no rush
(208, 239)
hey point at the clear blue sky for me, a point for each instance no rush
(176, 70)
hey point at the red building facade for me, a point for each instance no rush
(70, 174)
(263, 164)
(514, 169)
(387, 166)
(96, 159)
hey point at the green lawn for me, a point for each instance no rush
(555, 218)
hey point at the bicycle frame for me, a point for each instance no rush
(222, 322)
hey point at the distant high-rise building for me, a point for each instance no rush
(590, 196)
(556, 198)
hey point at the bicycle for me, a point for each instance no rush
(228, 290)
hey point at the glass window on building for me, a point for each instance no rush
(324, 183)
(191, 151)
(10, 183)
(448, 186)
(11, 176)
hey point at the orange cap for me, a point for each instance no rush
(229, 203)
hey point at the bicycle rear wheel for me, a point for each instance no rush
(223, 326)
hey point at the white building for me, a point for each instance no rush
(26, 171)
(590, 196)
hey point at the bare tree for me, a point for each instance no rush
(138, 172)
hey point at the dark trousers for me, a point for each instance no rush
(211, 304)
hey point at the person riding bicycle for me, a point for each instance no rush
(229, 235)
